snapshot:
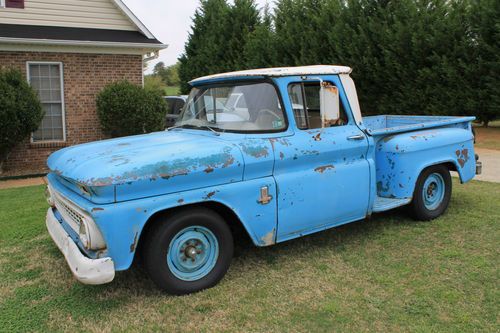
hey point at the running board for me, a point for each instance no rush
(382, 204)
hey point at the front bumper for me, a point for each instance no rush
(86, 270)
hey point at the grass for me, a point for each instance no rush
(488, 137)
(388, 274)
(172, 91)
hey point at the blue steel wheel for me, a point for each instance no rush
(192, 253)
(432, 193)
(188, 251)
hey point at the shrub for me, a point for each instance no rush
(127, 109)
(20, 111)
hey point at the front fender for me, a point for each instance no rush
(122, 223)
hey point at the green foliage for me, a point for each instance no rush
(20, 111)
(154, 82)
(169, 74)
(435, 57)
(218, 39)
(127, 109)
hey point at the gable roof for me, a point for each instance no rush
(279, 71)
(131, 16)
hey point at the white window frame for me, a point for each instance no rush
(2, 3)
(63, 107)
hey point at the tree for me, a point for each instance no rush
(20, 111)
(218, 39)
(260, 49)
(207, 42)
(484, 64)
(127, 109)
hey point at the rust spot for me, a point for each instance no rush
(268, 239)
(97, 209)
(228, 162)
(138, 209)
(282, 156)
(210, 194)
(134, 244)
(463, 157)
(180, 201)
(209, 169)
(317, 137)
(323, 168)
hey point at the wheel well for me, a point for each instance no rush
(233, 221)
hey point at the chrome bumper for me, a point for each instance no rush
(86, 270)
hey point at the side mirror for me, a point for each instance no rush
(329, 104)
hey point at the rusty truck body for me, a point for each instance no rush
(277, 153)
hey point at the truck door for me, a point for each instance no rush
(322, 174)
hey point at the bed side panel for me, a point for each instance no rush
(401, 158)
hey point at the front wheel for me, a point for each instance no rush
(432, 193)
(188, 251)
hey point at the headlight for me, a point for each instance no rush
(83, 234)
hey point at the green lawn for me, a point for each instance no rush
(172, 91)
(385, 274)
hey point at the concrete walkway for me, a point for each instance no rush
(491, 165)
(489, 157)
(21, 182)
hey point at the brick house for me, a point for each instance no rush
(68, 51)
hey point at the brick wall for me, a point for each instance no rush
(84, 77)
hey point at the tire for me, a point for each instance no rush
(188, 251)
(432, 193)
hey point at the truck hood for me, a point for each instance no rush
(147, 165)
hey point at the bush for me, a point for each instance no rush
(127, 109)
(20, 111)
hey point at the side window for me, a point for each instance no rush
(306, 105)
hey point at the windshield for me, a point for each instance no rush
(243, 107)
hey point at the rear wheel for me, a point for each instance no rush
(189, 251)
(432, 193)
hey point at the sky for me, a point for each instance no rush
(170, 22)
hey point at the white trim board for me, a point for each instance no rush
(131, 16)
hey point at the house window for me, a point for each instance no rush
(47, 80)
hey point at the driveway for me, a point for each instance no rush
(491, 165)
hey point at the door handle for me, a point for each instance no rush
(356, 137)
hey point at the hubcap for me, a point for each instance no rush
(192, 253)
(433, 191)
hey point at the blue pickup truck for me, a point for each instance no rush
(275, 153)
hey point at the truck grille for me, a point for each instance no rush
(70, 213)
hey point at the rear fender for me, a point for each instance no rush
(402, 157)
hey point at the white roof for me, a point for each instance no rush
(281, 71)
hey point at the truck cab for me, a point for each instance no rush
(277, 153)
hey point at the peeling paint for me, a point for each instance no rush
(317, 137)
(97, 209)
(282, 156)
(255, 151)
(268, 239)
(209, 169)
(462, 157)
(323, 168)
(134, 244)
(210, 194)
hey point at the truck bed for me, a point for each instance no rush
(390, 124)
